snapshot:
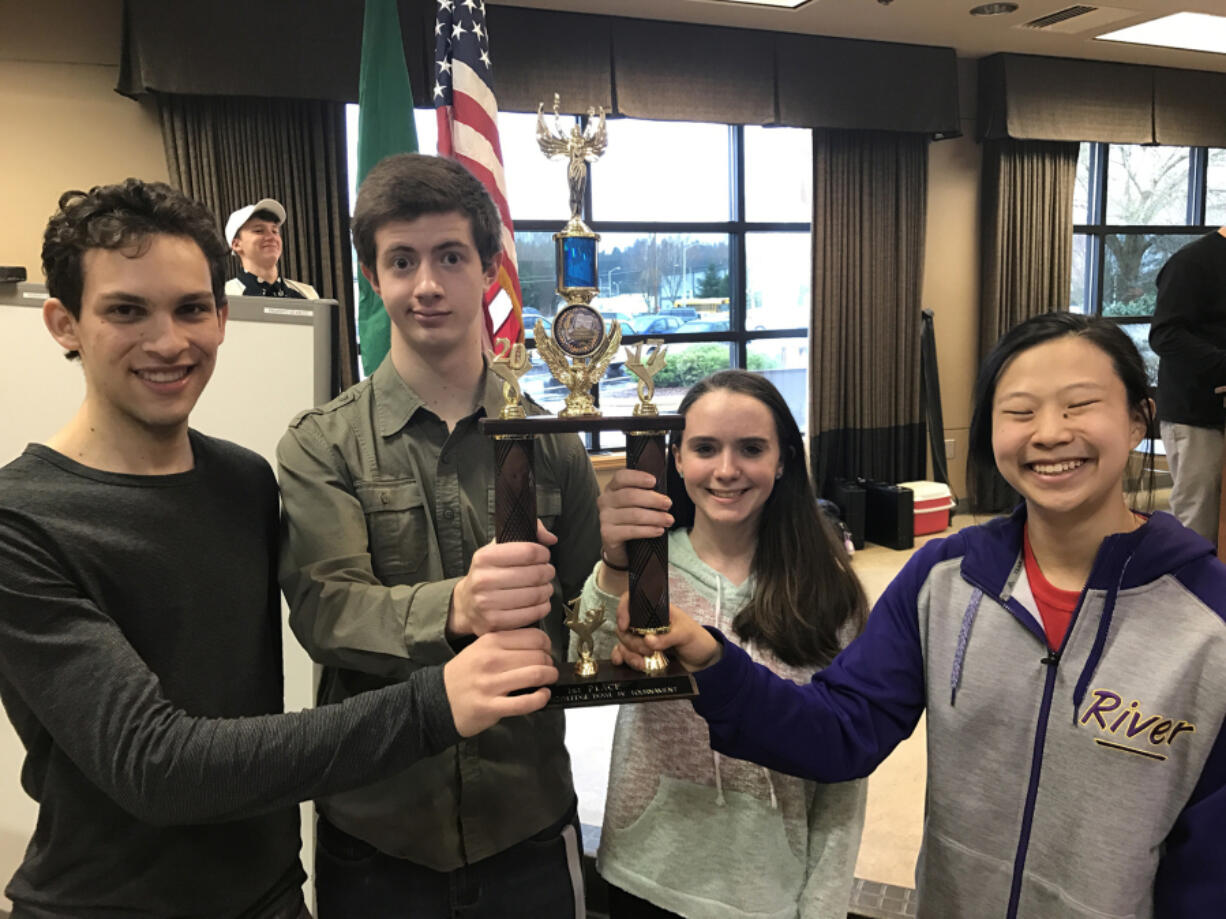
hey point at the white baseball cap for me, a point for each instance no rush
(235, 221)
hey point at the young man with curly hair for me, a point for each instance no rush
(140, 657)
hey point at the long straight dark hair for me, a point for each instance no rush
(805, 593)
(1107, 336)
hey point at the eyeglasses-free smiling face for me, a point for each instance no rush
(148, 332)
(1062, 428)
(729, 458)
(430, 277)
(258, 243)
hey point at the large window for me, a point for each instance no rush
(1134, 206)
(705, 243)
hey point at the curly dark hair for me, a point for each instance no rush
(407, 185)
(124, 216)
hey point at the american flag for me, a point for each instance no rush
(468, 132)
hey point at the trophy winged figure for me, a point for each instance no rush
(510, 362)
(583, 624)
(646, 371)
(579, 146)
(579, 375)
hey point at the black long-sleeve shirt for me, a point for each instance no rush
(140, 663)
(1189, 333)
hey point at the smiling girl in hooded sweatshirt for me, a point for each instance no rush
(1071, 659)
(687, 831)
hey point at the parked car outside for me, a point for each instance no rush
(624, 318)
(684, 313)
(704, 325)
(649, 324)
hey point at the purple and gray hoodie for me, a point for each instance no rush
(1087, 783)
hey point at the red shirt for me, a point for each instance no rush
(1055, 605)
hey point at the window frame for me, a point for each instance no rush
(1096, 230)
(736, 229)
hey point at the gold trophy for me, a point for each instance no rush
(583, 623)
(578, 350)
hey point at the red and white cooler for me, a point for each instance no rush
(933, 504)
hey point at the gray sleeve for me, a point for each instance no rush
(106, 710)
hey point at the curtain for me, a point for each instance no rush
(231, 151)
(640, 68)
(869, 200)
(1026, 227)
(1027, 97)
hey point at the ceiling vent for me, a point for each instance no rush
(1079, 18)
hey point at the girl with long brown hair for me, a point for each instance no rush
(686, 831)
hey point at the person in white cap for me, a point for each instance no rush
(254, 233)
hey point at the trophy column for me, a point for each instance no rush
(578, 349)
(514, 489)
(645, 450)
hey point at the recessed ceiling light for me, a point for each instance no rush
(994, 9)
(786, 4)
(1187, 31)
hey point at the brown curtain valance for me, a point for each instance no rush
(635, 67)
(844, 83)
(1047, 98)
(537, 53)
(707, 74)
(1189, 108)
(1025, 97)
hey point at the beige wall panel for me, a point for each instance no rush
(951, 271)
(66, 127)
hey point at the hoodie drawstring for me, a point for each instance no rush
(770, 783)
(1100, 640)
(719, 604)
(964, 635)
(719, 779)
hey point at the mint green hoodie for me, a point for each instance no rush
(703, 835)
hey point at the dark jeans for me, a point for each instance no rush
(540, 878)
(624, 905)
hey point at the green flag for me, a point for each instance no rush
(385, 126)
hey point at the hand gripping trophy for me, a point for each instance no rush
(578, 350)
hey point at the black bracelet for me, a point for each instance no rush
(608, 564)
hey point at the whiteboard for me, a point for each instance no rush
(275, 362)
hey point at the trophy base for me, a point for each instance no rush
(618, 685)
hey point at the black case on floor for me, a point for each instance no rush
(850, 500)
(889, 514)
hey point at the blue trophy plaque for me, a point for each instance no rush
(578, 261)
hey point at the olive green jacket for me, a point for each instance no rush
(382, 510)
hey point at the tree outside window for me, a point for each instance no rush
(1133, 207)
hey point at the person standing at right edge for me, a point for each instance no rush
(1189, 336)
(389, 566)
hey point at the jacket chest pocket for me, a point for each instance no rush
(397, 528)
(548, 507)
